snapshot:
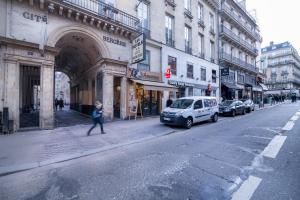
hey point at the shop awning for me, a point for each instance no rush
(257, 89)
(158, 86)
(231, 85)
(264, 87)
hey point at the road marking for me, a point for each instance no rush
(274, 146)
(295, 118)
(247, 189)
(288, 126)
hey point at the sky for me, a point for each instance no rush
(279, 20)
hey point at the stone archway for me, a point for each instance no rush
(79, 53)
(59, 33)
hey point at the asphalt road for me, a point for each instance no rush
(209, 161)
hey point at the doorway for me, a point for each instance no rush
(30, 90)
(117, 97)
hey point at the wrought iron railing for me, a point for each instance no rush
(236, 61)
(170, 42)
(226, 9)
(238, 39)
(188, 48)
(105, 11)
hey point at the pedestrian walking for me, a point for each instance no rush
(56, 103)
(97, 117)
(169, 102)
(61, 104)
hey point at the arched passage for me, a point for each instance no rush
(78, 54)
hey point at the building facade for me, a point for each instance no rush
(190, 42)
(282, 65)
(87, 40)
(239, 51)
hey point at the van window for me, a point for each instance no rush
(207, 103)
(198, 105)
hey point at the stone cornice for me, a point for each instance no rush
(25, 44)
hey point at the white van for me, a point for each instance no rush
(189, 110)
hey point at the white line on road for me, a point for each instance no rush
(288, 126)
(247, 189)
(274, 146)
(294, 118)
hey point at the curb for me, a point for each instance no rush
(28, 166)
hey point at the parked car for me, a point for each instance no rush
(249, 105)
(189, 110)
(232, 107)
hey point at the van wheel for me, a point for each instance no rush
(215, 118)
(188, 123)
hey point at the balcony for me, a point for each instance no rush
(188, 48)
(201, 23)
(252, 33)
(201, 55)
(97, 8)
(225, 57)
(171, 3)
(284, 62)
(229, 34)
(188, 14)
(289, 80)
(170, 42)
(212, 31)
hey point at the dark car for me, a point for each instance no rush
(232, 107)
(249, 105)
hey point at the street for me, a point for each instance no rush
(235, 158)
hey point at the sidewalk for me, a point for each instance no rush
(27, 150)
(266, 106)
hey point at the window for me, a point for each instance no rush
(211, 22)
(172, 64)
(190, 91)
(214, 76)
(190, 71)
(145, 64)
(187, 4)
(198, 105)
(143, 14)
(212, 51)
(187, 39)
(201, 45)
(200, 12)
(169, 26)
(203, 74)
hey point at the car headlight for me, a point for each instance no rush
(179, 113)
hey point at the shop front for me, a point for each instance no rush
(146, 92)
(184, 89)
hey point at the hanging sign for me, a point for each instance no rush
(138, 49)
(168, 72)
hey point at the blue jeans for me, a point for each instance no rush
(96, 121)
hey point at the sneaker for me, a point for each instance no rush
(103, 132)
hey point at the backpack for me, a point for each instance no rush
(95, 114)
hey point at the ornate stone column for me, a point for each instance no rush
(12, 90)
(46, 99)
(123, 100)
(108, 96)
